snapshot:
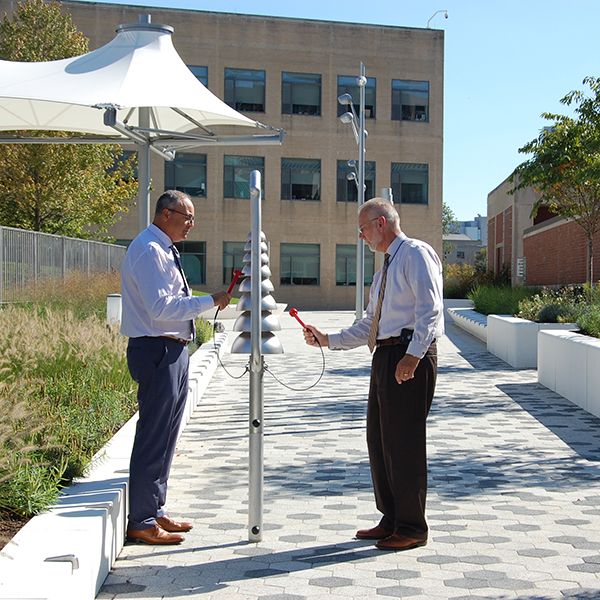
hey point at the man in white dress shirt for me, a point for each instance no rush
(158, 313)
(404, 318)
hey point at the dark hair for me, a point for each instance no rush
(169, 199)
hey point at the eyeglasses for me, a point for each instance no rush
(362, 227)
(188, 218)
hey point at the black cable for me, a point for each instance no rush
(246, 370)
(289, 387)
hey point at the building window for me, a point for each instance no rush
(236, 175)
(300, 179)
(245, 89)
(193, 261)
(410, 100)
(186, 173)
(345, 265)
(201, 74)
(300, 94)
(299, 264)
(233, 256)
(347, 190)
(460, 254)
(347, 85)
(410, 183)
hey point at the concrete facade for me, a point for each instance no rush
(508, 217)
(276, 45)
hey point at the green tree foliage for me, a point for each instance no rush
(565, 165)
(75, 190)
(448, 218)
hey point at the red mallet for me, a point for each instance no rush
(294, 313)
(236, 275)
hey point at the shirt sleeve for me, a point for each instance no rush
(424, 279)
(158, 294)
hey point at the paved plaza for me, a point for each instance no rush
(514, 487)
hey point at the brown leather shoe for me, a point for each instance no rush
(172, 526)
(375, 533)
(397, 541)
(155, 536)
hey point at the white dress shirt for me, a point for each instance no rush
(413, 299)
(154, 299)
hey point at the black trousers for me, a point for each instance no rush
(160, 367)
(396, 439)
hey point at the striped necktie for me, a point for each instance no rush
(372, 339)
(186, 288)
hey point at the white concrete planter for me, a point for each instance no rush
(569, 364)
(470, 320)
(67, 552)
(514, 340)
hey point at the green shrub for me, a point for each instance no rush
(552, 306)
(499, 300)
(589, 320)
(459, 279)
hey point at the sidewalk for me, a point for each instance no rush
(513, 504)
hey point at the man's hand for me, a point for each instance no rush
(315, 337)
(221, 299)
(405, 369)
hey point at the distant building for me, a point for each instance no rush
(475, 229)
(460, 248)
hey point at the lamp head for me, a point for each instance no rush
(351, 176)
(345, 99)
(346, 118)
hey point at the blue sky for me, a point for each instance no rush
(506, 62)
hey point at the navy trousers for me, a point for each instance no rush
(396, 439)
(160, 368)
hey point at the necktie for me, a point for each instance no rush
(186, 289)
(372, 339)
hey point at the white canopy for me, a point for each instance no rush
(135, 89)
(138, 68)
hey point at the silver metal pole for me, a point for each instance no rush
(386, 194)
(360, 245)
(255, 474)
(143, 152)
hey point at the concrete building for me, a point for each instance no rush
(459, 248)
(476, 229)
(288, 73)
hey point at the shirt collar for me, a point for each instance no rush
(163, 238)
(391, 249)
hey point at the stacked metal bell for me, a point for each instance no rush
(269, 342)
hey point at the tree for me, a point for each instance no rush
(68, 189)
(448, 219)
(565, 165)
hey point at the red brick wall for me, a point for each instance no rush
(491, 242)
(508, 236)
(559, 256)
(499, 231)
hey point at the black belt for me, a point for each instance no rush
(400, 340)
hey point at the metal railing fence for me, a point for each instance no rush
(29, 257)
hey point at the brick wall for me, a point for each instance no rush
(558, 255)
(508, 250)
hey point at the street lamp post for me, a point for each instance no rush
(360, 134)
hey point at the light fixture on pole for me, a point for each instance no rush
(358, 129)
(437, 12)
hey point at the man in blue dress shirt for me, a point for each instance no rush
(158, 312)
(404, 318)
